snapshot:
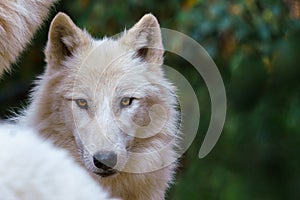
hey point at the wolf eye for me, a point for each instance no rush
(81, 103)
(126, 101)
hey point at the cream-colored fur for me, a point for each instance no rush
(19, 19)
(100, 73)
(31, 168)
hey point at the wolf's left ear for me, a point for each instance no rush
(64, 40)
(145, 39)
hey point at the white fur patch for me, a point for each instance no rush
(31, 168)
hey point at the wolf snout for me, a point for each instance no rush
(105, 160)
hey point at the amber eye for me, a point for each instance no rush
(126, 101)
(81, 103)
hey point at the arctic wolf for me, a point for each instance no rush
(107, 102)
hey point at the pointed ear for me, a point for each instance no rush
(145, 39)
(64, 39)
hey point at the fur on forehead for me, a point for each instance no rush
(110, 64)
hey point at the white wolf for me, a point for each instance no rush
(107, 102)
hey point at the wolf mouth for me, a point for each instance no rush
(106, 173)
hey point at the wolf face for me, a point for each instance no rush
(107, 102)
(111, 96)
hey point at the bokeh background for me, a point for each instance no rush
(256, 46)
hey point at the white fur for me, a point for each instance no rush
(31, 168)
(102, 72)
(19, 19)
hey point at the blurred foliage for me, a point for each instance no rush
(256, 45)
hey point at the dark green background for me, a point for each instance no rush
(255, 45)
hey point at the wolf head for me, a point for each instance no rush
(112, 96)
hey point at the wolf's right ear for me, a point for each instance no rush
(64, 40)
(145, 38)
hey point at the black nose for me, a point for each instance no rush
(105, 160)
